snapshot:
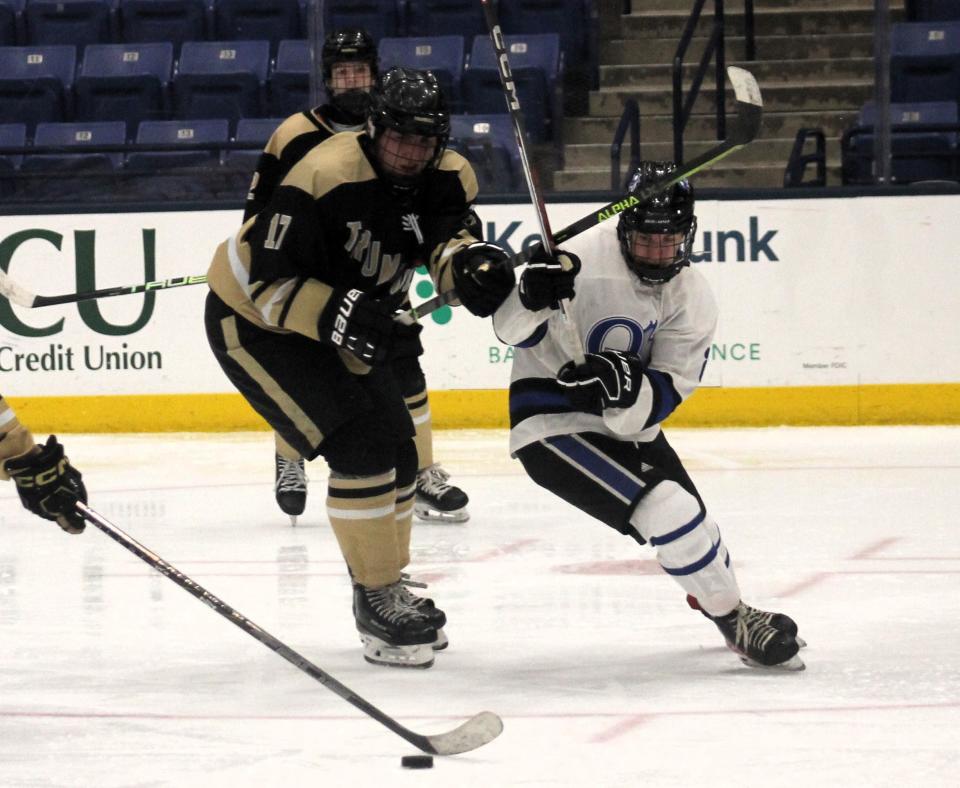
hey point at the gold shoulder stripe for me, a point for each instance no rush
(453, 161)
(287, 131)
(333, 162)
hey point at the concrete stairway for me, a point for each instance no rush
(814, 65)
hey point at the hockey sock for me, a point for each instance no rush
(362, 512)
(406, 490)
(671, 520)
(419, 407)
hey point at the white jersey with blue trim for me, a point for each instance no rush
(669, 326)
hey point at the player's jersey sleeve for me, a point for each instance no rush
(678, 356)
(291, 141)
(516, 325)
(453, 223)
(15, 439)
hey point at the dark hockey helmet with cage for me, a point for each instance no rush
(350, 44)
(410, 101)
(669, 212)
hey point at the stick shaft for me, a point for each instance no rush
(238, 619)
(23, 297)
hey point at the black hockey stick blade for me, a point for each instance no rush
(480, 729)
(19, 295)
(749, 109)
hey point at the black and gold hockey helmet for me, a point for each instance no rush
(351, 44)
(656, 235)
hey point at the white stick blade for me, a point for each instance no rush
(14, 292)
(475, 732)
(745, 86)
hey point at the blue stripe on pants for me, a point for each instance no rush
(597, 464)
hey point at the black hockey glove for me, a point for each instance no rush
(483, 277)
(547, 280)
(609, 379)
(365, 327)
(49, 486)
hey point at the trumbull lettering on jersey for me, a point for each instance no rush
(98, 358)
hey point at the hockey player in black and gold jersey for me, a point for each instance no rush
(300, 318)
(47, 483)
(350, 72)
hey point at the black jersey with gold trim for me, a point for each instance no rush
(332, 223)
(292, 140)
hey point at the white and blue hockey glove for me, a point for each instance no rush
(609, 379)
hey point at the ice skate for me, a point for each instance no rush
(438, 501)
(756, 641)
(426, 606)
(393, 633)
(779, 621)
(290, 483)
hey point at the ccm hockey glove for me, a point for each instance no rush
(364, 327)
(609, 379)
(483, 277)
(49, 485)
(548, 280)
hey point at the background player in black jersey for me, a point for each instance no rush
(349, 72)
(47, 483)
(590, 433)
(301, 319)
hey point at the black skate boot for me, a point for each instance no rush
(290, 483)
(757, 642)
(777, 620)
(437, 501)
(426, 606)
(393, 633)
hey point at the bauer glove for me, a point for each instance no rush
(610, 379)
(548, 280)
(483, 277)
(357, 323)
(49, 486)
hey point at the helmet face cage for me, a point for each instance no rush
(351, 45)
(668, 215)
(408, 109)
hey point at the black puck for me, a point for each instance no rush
(417, 761)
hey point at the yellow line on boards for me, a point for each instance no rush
(920, 403)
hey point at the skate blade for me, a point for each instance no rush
(428, 514)
(379, 652)
(293, 520)
(441, 642)
(793, 664)
(801, 642)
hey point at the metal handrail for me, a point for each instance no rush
(682, 110)
(629, 121)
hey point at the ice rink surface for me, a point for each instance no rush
(110, 675)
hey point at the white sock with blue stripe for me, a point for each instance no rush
(688, 546)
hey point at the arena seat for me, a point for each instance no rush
(10, 16)
(35, 83)
(445, 18)
(443, 55)
(12, 135)
(175, 21)
(380, 18)
(243, 20)
(290, 79)
(925, 61)
(489, 144)
(75, 22)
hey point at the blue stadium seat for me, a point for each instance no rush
(77, 22)
(380, 18)
(35, 83)
(190, 174)
(445, 18)
(12, 135)
(443, 55)
(925, 61)
(536, 64)
(221, 79)
(933, 10)
(908, 165)
(489, 144)
(10, 11)
(568, 18)
(163, 20)
(290, 80)
(243, 20)
(124, 82)
(255, 131)
(76, 176)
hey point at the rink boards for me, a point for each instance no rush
(833, 311)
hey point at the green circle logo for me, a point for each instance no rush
(424, 289)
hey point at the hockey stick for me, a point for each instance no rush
(746, 126)
(20, 296)
(536, 195)
(478, 730)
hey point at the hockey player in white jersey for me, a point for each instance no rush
(591, 433)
